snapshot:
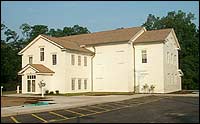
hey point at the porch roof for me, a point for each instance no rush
(39, 68)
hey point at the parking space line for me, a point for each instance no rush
(14, 119)
(100, 108)
(88, 110)
(117, 104)
(39, 118)
(75, 112)
(59, 115)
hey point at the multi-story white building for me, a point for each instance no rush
(121, 60)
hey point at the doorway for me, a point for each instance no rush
(31, 83)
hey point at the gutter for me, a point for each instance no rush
(92, 69)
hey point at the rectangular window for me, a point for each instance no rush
(41, 54)
(33, 85)
(73, 84)
(168, 57)
(72, 59)
(79, 60)
(171, 58)
(54, 59)
(85, 84)
(30, 60)
(174, 59)
(79, 84)
(85, 61)
(29, 86)
(144, 56)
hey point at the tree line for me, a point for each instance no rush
(186, 31)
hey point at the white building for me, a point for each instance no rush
(121, 60)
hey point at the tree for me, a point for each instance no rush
(188, 36)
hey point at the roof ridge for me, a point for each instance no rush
(160, 29)
(99, 32)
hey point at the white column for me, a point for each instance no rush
(42, 92)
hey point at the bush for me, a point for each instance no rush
(57, 91)
(47, 92)
(51, 93)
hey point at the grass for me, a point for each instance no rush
(93, 94)
(9, 92)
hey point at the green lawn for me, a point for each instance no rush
(9, 92)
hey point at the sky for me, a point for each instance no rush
(95, 15)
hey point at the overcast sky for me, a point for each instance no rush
(95, 15)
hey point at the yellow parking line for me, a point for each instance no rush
(88, 110)
(14, 119)
(75, 112)
(100, 108)
(39, 118)
(116, 104)
(59, 115)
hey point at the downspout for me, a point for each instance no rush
(92, 69)
(134, 69)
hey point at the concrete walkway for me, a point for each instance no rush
(65, 102)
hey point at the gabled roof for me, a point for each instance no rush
(110, 36)
(67, 44)
(154, 35)
(39, 68)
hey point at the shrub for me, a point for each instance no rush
(57, 91)
(51, 93)
(47, 92)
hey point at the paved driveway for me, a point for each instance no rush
(177, 109)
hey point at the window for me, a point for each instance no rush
(172, 79)
(85, 84)
(85, 61)
(79, 84)
(41, 54)
(168, 57)
(174, 59)
(30, 60)
(144, 56)
(72, 60)
(31, 83)
(79, 60)
(54, 59)
(73, 84)
(171, 58)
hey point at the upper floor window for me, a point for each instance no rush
(30, 60)
(72, 59)
(174, 59)
(85, 61)
(168, 57)
(54, 59)
(79, 60)
(41, 54)
(144, 56)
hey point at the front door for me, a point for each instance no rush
(31, 83)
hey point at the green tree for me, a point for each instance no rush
(188, 36)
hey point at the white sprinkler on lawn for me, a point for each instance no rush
(1, 90)
(41, 85)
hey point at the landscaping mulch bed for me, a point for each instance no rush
(7, 101)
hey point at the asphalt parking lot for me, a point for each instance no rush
(149, 109)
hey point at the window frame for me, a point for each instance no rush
(85, 60)
(73, 80)
(85, 84)
(30, 60)
(54, 60)
(144, 55)
(72, 59)
(79, 60)
(41, 54)
(79, 84)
